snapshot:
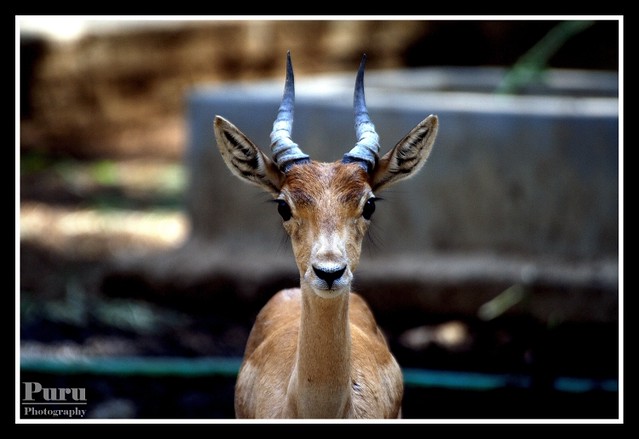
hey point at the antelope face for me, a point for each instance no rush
(326, 210)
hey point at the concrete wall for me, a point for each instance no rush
(533, 174)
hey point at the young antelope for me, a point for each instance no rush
(316, 351)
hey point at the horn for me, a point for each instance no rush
(285, 152)
(366, 150)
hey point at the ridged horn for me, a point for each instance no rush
(286, 153)
(366, 150)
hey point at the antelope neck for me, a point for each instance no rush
(321, 381)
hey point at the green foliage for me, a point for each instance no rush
(104, 172)
(530, 67)
(79, 308)
(108, 184)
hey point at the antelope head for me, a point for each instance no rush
(326, 208)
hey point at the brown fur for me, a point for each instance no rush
(374, 388)
(316, 351)
(337, 364)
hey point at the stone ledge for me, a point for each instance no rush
(209, 275)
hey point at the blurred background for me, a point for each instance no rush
(143, 261)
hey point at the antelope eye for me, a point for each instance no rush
(284, 210)
(369, 208)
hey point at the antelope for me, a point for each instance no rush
(316, 351)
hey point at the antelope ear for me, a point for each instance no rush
(407, 157)
(244, 159)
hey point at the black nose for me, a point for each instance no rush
(329, 276)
